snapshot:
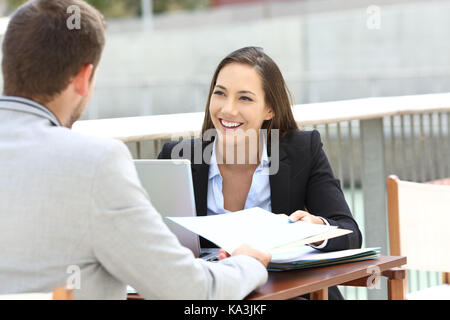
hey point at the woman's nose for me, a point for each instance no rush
(229, 108)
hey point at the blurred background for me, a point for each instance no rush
(161, 54)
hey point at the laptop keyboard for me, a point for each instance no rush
(209, 254)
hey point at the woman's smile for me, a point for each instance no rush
(230, 125)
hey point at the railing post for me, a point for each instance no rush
(374, 192)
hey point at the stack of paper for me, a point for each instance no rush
(257, 228)
(302, 257)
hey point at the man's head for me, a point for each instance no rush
(52, 60)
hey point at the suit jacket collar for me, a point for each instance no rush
(200, 174)
(280, 181)
(28, 106)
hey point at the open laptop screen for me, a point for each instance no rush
(169, 186)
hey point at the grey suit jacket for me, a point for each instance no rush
(72, 210)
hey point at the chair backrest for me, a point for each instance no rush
(419, 220)
(57, 294)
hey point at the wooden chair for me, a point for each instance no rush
(57, 294)
(419, 217)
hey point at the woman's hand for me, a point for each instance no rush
(304, 216)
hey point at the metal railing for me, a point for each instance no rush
(416, 147)
(365, 141)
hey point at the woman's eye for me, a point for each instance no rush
(219, 93)
(246, 98)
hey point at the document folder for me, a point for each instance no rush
(302, 257)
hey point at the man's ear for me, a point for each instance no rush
(82, 80)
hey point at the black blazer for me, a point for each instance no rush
(304, 180)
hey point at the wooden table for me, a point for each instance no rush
(316, 281)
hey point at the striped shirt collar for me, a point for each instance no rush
(29, 106)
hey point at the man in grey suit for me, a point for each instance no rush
(72, 209)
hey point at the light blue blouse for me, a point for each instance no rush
(258, 196)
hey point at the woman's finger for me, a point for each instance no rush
(307, 218)
(298, 215)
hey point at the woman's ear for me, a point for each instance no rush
(270, 113)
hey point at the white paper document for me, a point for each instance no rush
(255, 227)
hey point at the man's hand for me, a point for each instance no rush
(263, 257)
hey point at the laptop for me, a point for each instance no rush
(171, 191)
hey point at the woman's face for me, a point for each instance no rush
(237, 105)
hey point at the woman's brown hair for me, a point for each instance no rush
(277, 94)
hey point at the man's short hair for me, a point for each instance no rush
(43, 49)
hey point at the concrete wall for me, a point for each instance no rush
(409, 54)
(324, 48)
(170, 71)
(324, 55)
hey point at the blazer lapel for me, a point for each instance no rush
(280, 185)
(200, 173)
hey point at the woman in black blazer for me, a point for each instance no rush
(248, 94)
